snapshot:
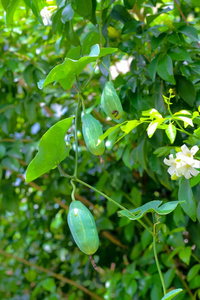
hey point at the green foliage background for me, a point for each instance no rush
(164, 53)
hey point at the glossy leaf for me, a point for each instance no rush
(171, 132)
(152, 128)
(10, 11)
(70, 68)
(165, 69)
(108, 131)
(190, 31)
(193, 272)
(185, 255)
(129, 126)
(187, 121)
(152, 206)
(185, 194)
(85, 8)
(52, 150)
(153, 67)
(186, 90)
(67, 13)
(171, 294)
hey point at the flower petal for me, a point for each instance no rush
(194, 150)
(185, 149)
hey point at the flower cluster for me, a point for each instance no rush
(46, 14)
(184, 164)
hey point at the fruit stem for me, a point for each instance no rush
(73, 190)
(113, 201)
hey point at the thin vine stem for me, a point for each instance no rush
(91, 76)
(113, 201)
(177, 122)
(156, 257)
(100, 24)
(110, 77)
(63, 173)
(76, 139)
(73, 190)
(83, 104)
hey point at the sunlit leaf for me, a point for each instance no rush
(108, 131)
(171, 294)
(70, 68)
(171, 132)
(187, 121)
(152, 206)
(52, 150)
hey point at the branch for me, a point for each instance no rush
(55, 275)
(182, 15)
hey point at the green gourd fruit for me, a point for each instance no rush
(110, 101)
(91, 132)
(83, 228)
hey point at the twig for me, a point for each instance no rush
(182, 15)
(55, 275)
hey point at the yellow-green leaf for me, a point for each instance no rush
(171, 132)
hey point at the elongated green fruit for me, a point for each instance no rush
(83, 228)
(91, 132)
(110, 101)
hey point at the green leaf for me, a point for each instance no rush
(171, 294)
(168, 277)
(187, 121)
(153, 67)
(194, 180)
(70, 68)
(131, 26)
(171, 132)
(10, 11)
(165, 69)
(52, 150)
(185, 194)
(195, 282)
(152, 206)
(129, 3)
(71, 34)
(162, 151)
(49, 284)
(11, 163)
(179, 53)
(5, 3)
(130, 125)
(189, 31)
(85, 8)
(185, 255)
(108, 132)
(67, 13)
(198, 211)
(120, 13)
(156, 41)
(186, 90)
(152, 127)
(193, 272)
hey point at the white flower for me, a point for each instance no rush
(46, 14)
(184, 164)
(172, 163)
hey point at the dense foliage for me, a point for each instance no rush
(55, 56)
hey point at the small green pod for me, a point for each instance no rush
(110, 101)
(91, 132)
(83, 228)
